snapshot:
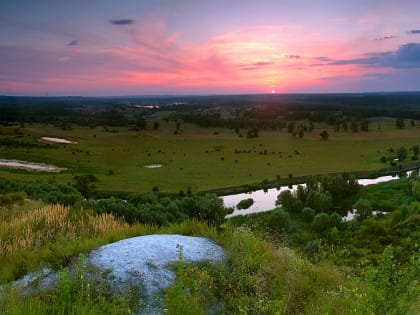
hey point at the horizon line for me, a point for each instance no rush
(210, 94)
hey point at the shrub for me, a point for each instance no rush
(308, 214)
(279, 220)
(321, 222)
(245, 204)
(335, 220)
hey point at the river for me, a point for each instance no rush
(265, 200)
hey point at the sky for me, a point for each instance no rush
(135, 47)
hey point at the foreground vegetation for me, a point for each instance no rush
(259, 276)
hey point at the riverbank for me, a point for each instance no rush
(390, 171)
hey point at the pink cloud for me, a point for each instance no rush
(149, 56)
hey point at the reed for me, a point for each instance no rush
(30, 230)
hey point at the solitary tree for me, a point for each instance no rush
(400, 123)
(324, 135)
(402, 153)
(140, 123)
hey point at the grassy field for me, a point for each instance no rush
(202, 159)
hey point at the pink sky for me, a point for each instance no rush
(181, 47)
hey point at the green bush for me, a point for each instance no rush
(308, 214)
(321, 222)
(245, 204)
(279, 221)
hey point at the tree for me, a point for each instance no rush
(400, 123)
(140, 123)
(211, 209)
(319, 201)
(364, 125)
(354, 126)
(301, 193)
(324, 135)
(311, 127)
(285, 199)
(401, 153)
(291, 126)
(363, 208)
(289, 202)
(301, 133)
(84, 184)
(252, 133)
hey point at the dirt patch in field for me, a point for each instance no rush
(57, 140)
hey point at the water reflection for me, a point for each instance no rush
(265, 200)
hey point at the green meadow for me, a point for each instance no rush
(199, 158)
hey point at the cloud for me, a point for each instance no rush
(73, 43)
(384, 38)
(263, 63)
(257, 65)
(323, 59)
(374, 75)
(414, 32)
(406, 56)
(292, 56)
(122, 22)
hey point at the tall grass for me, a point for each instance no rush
(53, 234)
(33, 229)
(257, 278)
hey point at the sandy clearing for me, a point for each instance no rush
(31, 166)
(57, 140)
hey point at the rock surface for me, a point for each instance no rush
(145, 261)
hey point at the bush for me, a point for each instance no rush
(321, 222)
(245, 204)
(279, 220)
(335, 220)
(308, 214)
